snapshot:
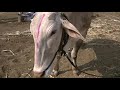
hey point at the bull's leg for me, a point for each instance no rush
(74, 56)
(56, 68)
(76, 47)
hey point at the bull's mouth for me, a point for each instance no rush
(41, 75)
(38, 75)
(46, 73)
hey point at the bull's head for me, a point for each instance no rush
(47, 28)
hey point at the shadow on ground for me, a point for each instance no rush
(107, 61)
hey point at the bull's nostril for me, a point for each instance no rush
(38, 75)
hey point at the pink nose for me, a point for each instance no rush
(38, 75)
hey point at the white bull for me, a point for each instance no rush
(47, 28)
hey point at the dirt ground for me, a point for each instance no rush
(100, 57)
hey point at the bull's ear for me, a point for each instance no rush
(71, 30)
(52, 16)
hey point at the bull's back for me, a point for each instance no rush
(82, 21)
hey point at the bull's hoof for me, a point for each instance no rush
(54, 73)
(76, 72)
(51, 76)
(37, 75)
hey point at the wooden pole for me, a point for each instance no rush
(19, 17)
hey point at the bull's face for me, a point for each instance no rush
(46, 28)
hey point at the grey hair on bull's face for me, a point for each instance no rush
(46, 28)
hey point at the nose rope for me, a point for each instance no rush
(39, 29)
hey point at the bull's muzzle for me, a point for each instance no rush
(38, 75)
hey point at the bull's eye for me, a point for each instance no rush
(53, 32)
